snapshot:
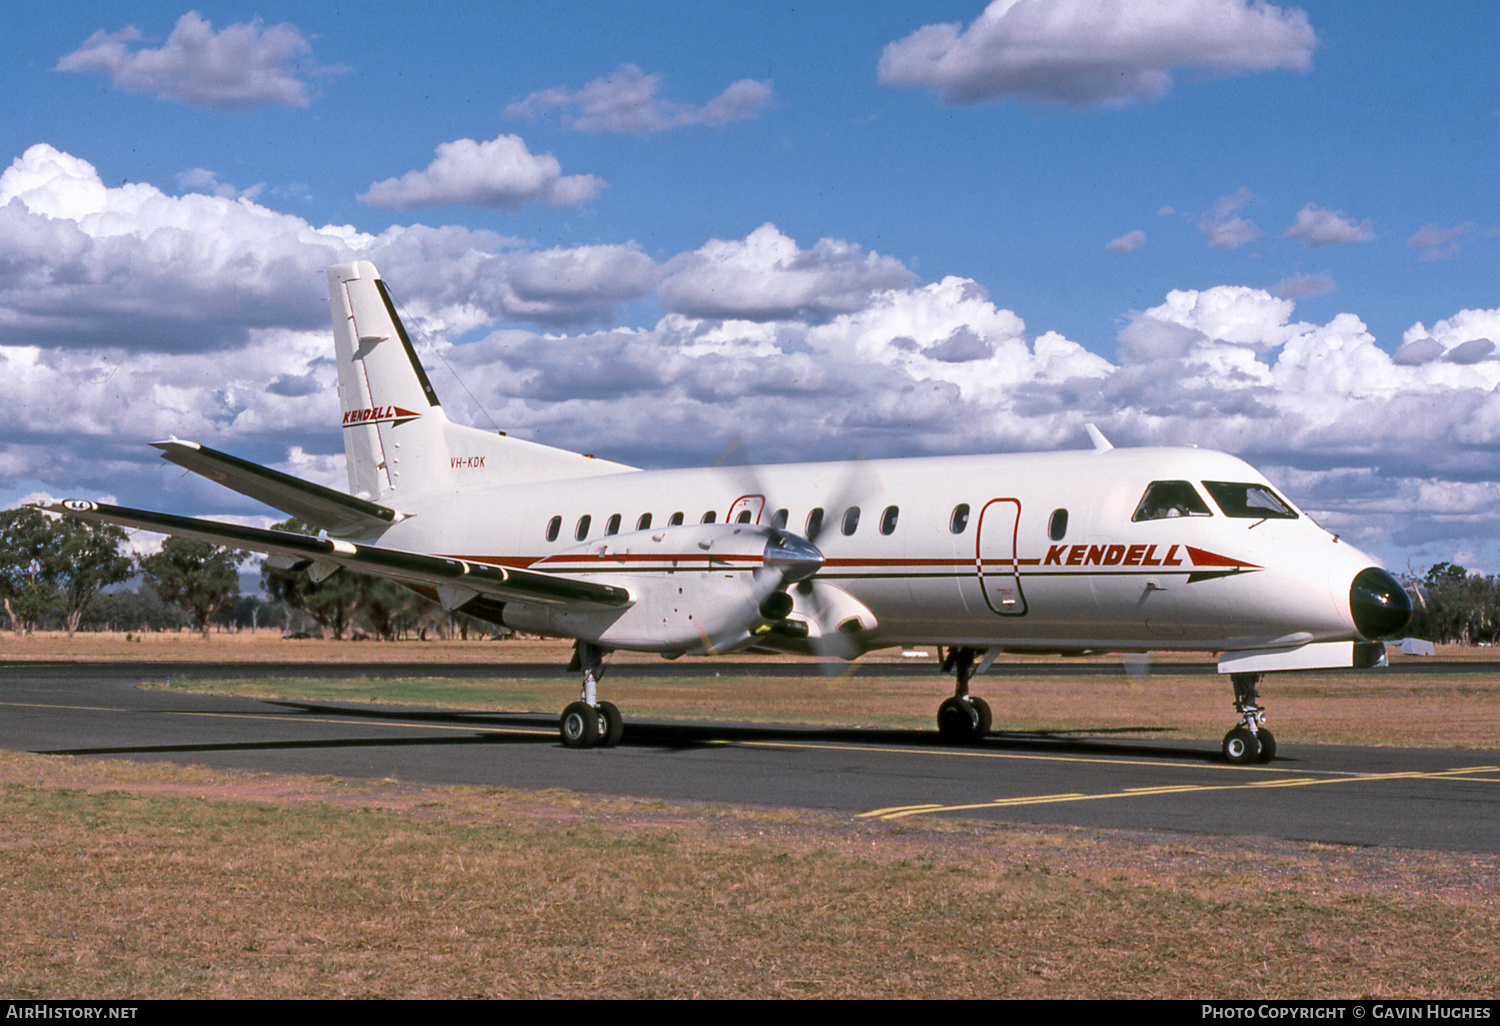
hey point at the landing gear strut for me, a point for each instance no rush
(588, 722)
(964, 717)
(1249, 741)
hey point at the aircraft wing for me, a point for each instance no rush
(455, 580)
(315, 505)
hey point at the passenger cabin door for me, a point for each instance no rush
(995, 557)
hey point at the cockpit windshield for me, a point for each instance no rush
(1249, 501)
(1165, 499)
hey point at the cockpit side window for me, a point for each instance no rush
(1249, 501)
(1164, 499)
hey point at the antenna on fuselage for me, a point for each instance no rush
(1101, 444)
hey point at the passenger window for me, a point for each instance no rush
(1249, 501)
(1165, 499)
(676, 520)
(613, 525)
(643, 523)
(778, 519)
(582, 531)
(960, 518)
(709, 517)
(1057, 526)
(553, 527)
(851, 520)
(888, 519)
(743, 518)
(815, 522)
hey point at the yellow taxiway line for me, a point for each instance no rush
(901, 811)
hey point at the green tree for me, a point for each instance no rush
(331, 602)
(88, 559)
(382, 601)
(195, 576)
(28, 567)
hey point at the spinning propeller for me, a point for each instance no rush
(832, 618)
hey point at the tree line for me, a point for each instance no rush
(1450, 604)
(62, 573)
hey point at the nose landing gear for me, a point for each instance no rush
(1249, 741)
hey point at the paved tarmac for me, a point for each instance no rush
(1440, 799)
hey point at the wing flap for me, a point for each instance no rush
(416, 568)
(327, 508)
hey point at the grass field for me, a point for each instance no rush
(130, 880)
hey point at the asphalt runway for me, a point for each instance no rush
(1439, 799)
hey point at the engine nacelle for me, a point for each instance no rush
(696, 589)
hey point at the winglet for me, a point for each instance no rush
(1101, 443)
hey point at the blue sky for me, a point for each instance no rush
(829, 229)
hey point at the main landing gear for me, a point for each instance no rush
(1250, 741)
(588, 722)
(964, 717)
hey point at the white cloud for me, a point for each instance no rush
(501, 173)
(1223, 226)
(1088, 54)
(1127, 243)
(627, 102)
(767, 277)
(1436, 243)
(246, 65)
(91, 265)
(88, 265)
(1318, 227)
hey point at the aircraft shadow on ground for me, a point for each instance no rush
(498, 728)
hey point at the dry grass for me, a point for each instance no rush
(134, 881)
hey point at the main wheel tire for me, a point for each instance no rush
(1267, 745)
(1240, 746)
(579, 725)
(957, 720)
(982, 708)
(611, 725)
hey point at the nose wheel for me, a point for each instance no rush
(964, 718)
(1249, 741)
(588, 722)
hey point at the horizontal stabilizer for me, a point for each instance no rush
(413, 568)
(319, 507)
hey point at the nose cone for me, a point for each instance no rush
(795, 558)
(1378, 603)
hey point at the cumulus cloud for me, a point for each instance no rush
(1437, 243)
(1318, 227)
(1127, 243)
(766, 276)
(501, 173)
(934, 368)
(1085, 54)
(1222, 225)
(84, 264)
(245, 66)
(627, 102)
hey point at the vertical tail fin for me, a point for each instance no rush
(397, 439)
(393, 424)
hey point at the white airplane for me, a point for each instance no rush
(1125, 550)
